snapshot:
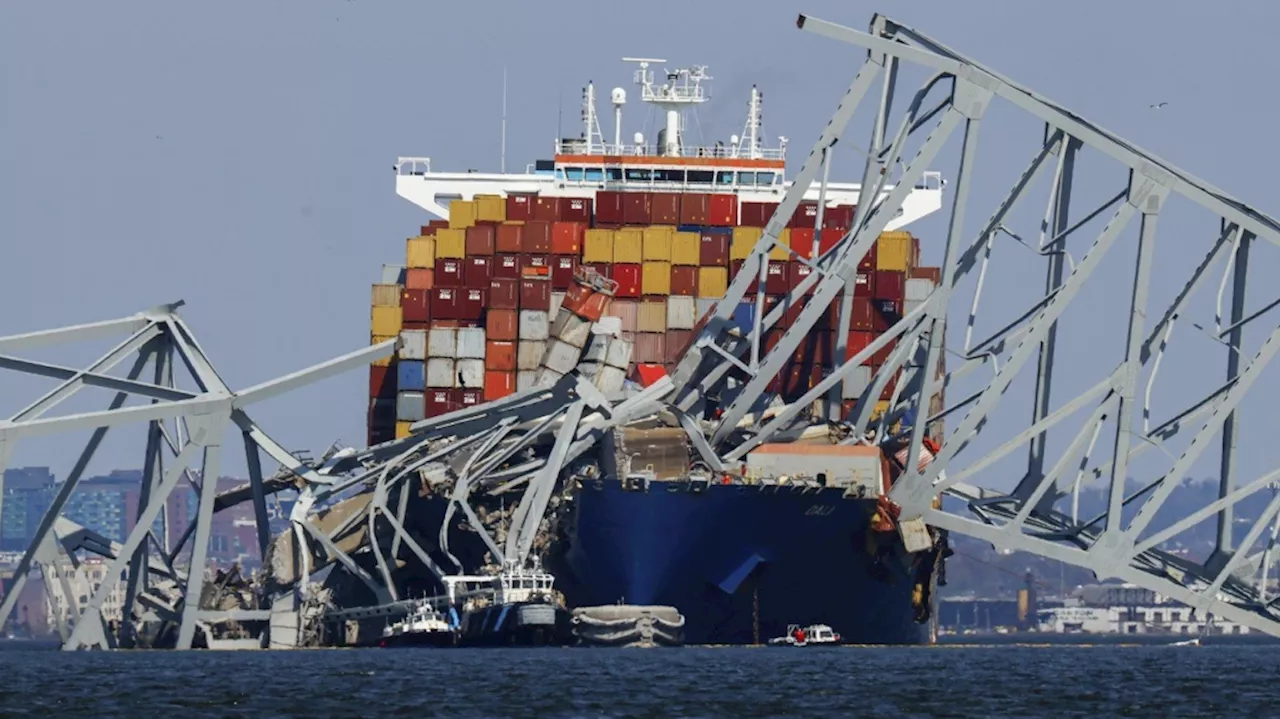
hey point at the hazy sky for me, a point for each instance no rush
(238, 155)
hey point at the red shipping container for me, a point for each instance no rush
(502, 324)
(722, 210)
(415, 305)
(806, 215)
(815, 349)
(637, 208)
(575, 209)
(507, 266)
(520, 208)
(868, 263)
(430, 228)
(546, 209)
(440, 401)
(650, 347)
(481, 240)
(839, 217)
(504, 293)
(799, 272)
(469, 397)
(471, 304)
(449, 273)
(566, 238)
(828, 239)
(536, 238)
(757, 214)
(927, 273)
(500, 355)
(665, 209)
(477, 271)
(508, 239)
(885, 314)
(862, 316)
(802, 241)
(382, 381)
(684, 280)
(609, 208)
(791, 311)
(535, 265)
(444, 303)
(562, 267)
(601, 268)
(585, 303)
(714, 251)
(882, 355)
(735, 267)
(498, 385)
(535, 293)
(777, 280)
(858, 341)
(677, 342)
(695, 207)
(419, 278)
(628, 278)
(888, 285)
(863, 284)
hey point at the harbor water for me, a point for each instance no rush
(1009, 680)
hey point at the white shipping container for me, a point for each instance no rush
(561, 356)
(608, 326)
(704, 306)
(442, 342)
(440, 373)
(546, 377)
(918, 288)
(857, 382)
(589, 369)
(619, 354)
(413, 344)
(557, 301)
(471, 373)
(571, 328)
(471, 343)
(410, 406)
(610, 379)
(393, 274)
(682, 313)
(529, 355)
(526, 379)
(597, 348)
(534, 325)
(910, 306)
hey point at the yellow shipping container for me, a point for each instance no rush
(420, 252)
(656, 278)
(628, 246)
(657, 244)
(387, 321)
(377, 339)
(686, 248)
(451, 244)
(778, 254)
(598, 246)
(386, 295)
(881, 407)
(402, 429)
(491, 208)
(713, 282)
(744, 240)
(462, 214)
(893, 251)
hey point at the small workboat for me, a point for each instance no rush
(798, 636)
(422, 627)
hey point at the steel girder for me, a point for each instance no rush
(183, 424)
(1028, 509)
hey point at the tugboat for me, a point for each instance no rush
(522, 610)
(798, 636)
(422, 627)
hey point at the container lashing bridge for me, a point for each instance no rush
(351, 512)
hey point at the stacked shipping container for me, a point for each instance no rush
(474, 302)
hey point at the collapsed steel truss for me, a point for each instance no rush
(162, 594)
(1232, 581)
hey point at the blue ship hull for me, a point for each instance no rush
(739, 562)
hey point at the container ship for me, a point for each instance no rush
(669, 224)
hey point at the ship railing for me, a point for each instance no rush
(929, 180)
(579, 147)
(413, 165)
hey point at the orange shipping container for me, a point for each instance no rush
(566, 238)
(498, 384)
(508, 238)
(480, 240)
(419, 278)
(502, 324)
(656, 278)
(500, 355)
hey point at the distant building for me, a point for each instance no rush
(1128, 609)
(28, 494)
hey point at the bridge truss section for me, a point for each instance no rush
(1076, 228)
(184, 443)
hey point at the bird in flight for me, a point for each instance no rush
(1158, 105)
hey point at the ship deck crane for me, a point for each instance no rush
(721, 384)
